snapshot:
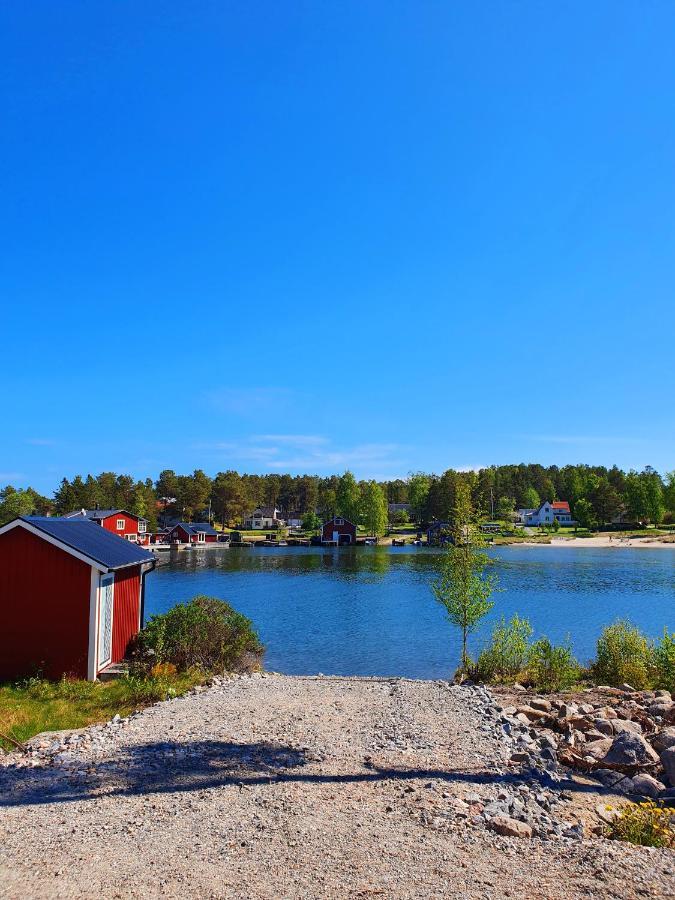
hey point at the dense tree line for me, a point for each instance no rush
(597, 495)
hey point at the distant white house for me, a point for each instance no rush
(294, 520)
(546, 514)
(262, 518)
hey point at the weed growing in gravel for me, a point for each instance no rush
(647, 824)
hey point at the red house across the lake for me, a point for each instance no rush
(338, 530)
(71, 597)
(119, 521)
(192, 533)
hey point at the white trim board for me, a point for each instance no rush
(93, 625)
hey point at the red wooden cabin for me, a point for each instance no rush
(192, 533)
(338, 530)
(71, 597)
(119, 521)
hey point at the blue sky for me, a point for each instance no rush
(305, 236)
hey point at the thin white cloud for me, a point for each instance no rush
(308, 453)
(40, 442)
(11, 476)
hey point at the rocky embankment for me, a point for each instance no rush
(271, 786)
(622, 737)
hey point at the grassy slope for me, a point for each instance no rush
(34, 706)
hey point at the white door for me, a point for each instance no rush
(105, 620)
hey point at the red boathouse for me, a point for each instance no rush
(192, 533)
(338, 530)
(71, 597)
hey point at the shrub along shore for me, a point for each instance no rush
(624, 655)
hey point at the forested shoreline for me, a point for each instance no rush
(597, 495)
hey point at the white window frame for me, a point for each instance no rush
(142, 527)
(131, 537)
(121, 524)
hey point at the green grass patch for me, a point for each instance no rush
(29, 707)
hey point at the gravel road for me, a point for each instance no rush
(271, 786)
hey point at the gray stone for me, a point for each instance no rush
(620, 725)
(629, 750)
(520, 757)
(494, 809)
(604, 726)
(668, 763)
(608, 777)
(662, 709)
(663, 739)
(646, 786)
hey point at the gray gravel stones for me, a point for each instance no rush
(269, 786)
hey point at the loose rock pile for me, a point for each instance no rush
(526, 799)
(622, 737)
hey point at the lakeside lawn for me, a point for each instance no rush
(30, 707)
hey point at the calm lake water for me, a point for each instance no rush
(370, 611)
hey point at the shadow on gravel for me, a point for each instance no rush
(167, 767)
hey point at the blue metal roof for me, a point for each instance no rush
(194, 527)
(92, 541)
(100, 514)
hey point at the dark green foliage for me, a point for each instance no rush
(205, 633)
(551, 668)
(664, 660)
(505, 657)
(596, 494)
(624, 654)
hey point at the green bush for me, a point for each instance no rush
(506, 655)
(664, 661)
(624, 654)
(205, 633)
(551, 668)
